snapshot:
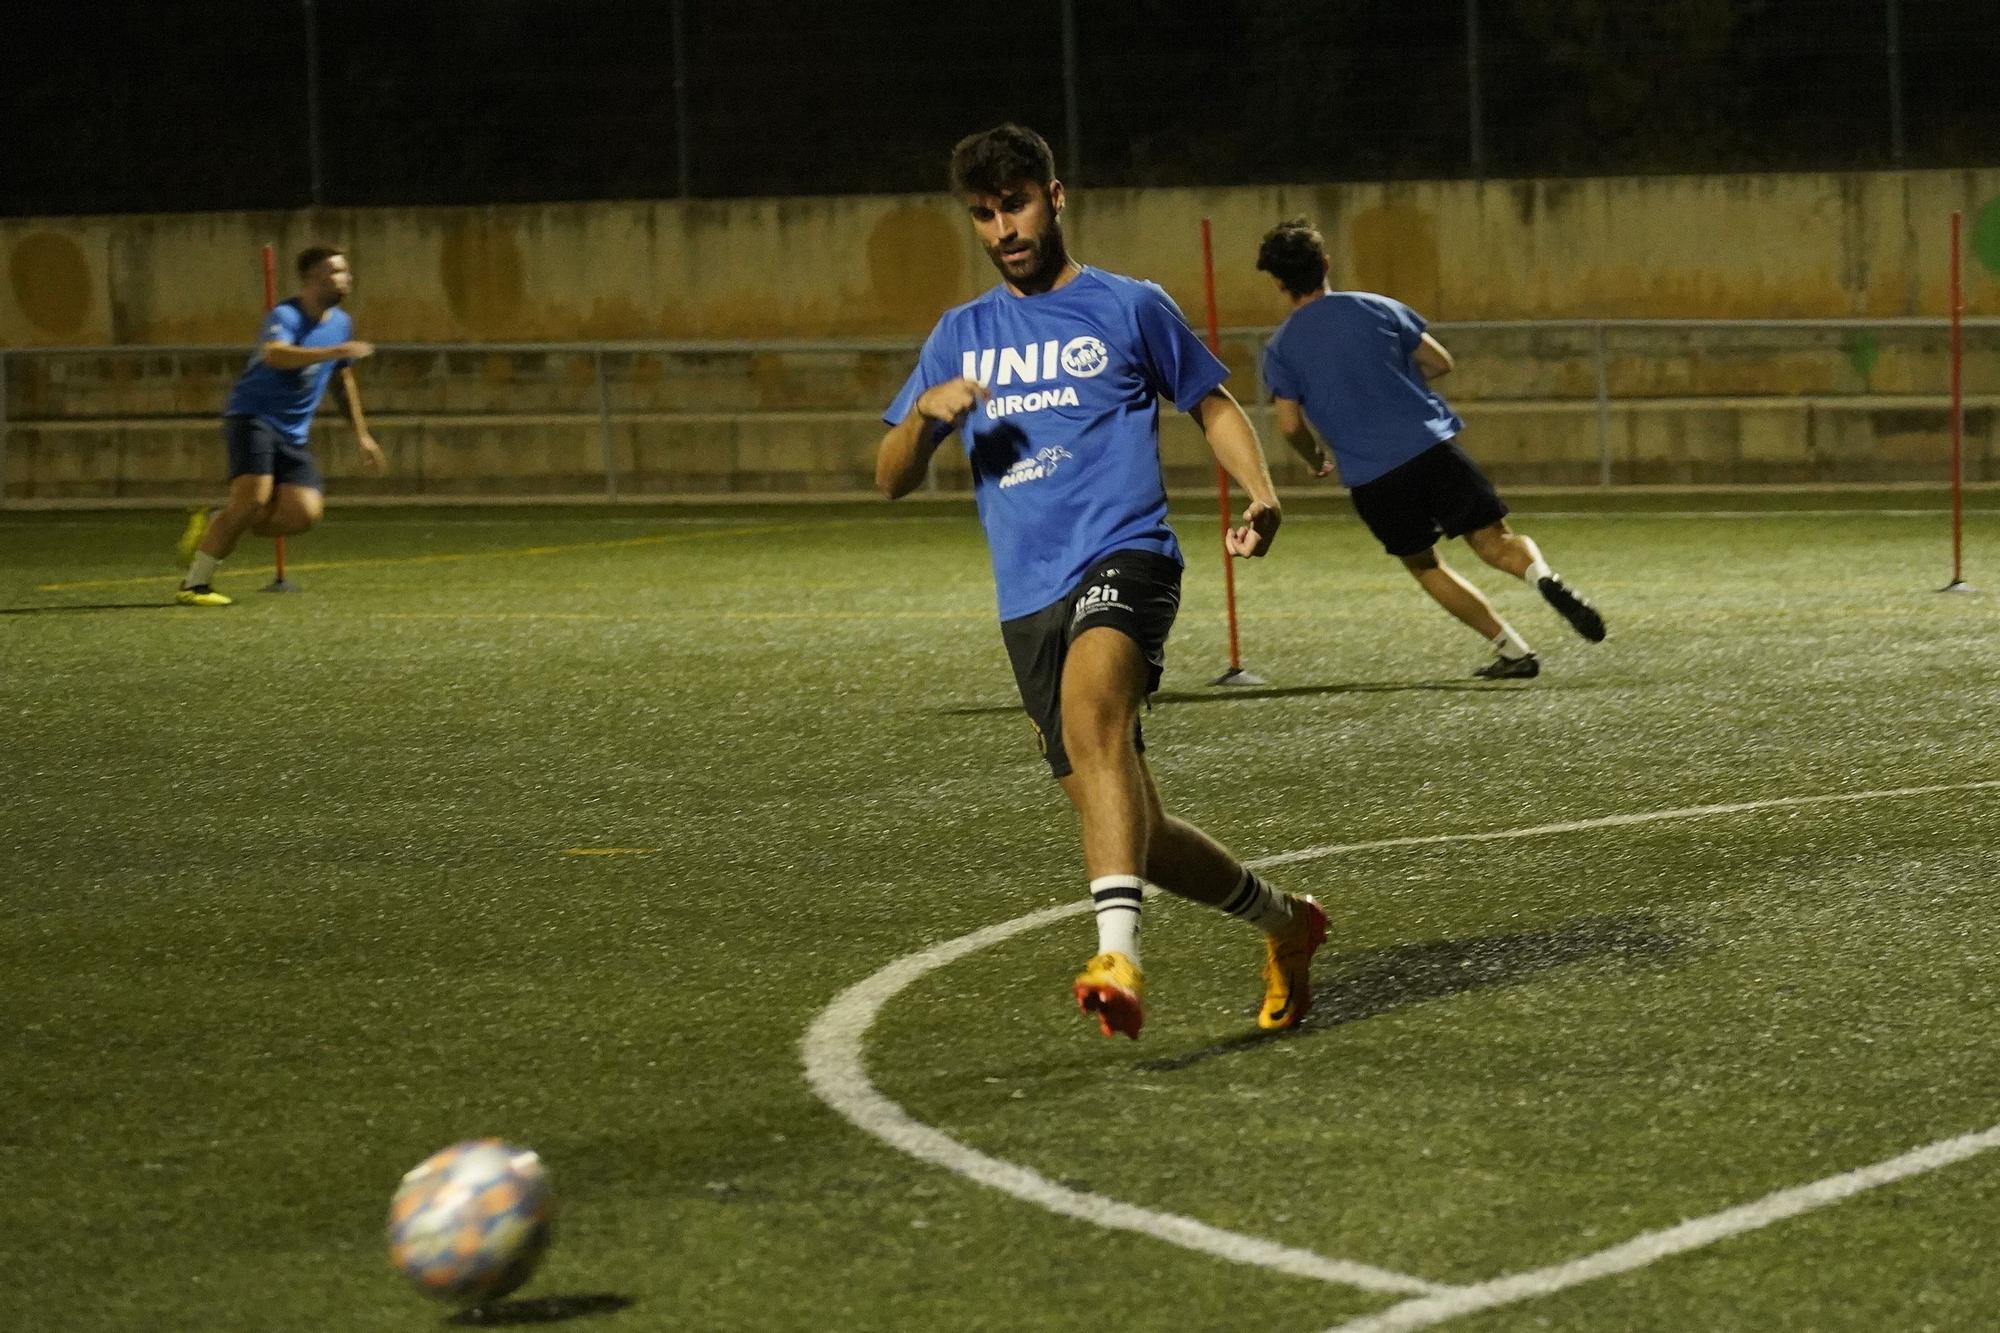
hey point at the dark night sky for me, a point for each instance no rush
(114, 106)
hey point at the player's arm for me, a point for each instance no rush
(1292, 425)
(290, 356)
(350, 399)
(1234, 442)
(1431, 358)
(904, 455)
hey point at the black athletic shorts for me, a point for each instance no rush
(256, 448)
(1134, 592)
(1439, 493)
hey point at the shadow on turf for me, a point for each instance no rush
(540, 1310)
(89, 606)
(1368, 985)
(1272, 692)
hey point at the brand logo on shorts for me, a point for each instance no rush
(1097, 597)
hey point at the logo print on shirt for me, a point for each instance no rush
(1082, 357)
(1085, 357)
(1016, 365)
(1034, 469)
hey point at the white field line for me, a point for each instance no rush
(1656, 1245)
(1621, 821)
(1537, 515)
(836, 1070)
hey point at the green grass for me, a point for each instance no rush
(288, 905)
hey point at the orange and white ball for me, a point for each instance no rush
(469, 1224)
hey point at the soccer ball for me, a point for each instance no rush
(469, 1224)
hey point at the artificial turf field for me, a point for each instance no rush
(293, 897)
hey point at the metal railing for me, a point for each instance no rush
(606, 397)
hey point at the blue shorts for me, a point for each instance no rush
(257, 449)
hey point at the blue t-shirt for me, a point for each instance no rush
(1345, 358)
(1066, 454)
(287, 399)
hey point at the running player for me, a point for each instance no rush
(1053, 380)
(1360, 368)
(275, 489)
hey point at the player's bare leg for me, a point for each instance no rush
(292, 510)
(1129, 840)
(1517, 554)
(1103, 684)
(1188, 863)
(1506, 550)
(1452, 592)
(1512, 656)
(249, 496)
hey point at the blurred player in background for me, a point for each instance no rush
(1053, 380)
(275, 488)
(1359, 367)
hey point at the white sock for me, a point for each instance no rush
(1259, 904)
(1511, 645)
(1538, 568)
(201, 570)
(1117, 900)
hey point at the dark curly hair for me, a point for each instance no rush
(991, 160)
(313, 256)
(1294, 253)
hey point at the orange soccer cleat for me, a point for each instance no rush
(1110, 986)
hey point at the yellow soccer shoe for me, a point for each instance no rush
(191, 535)
(1288, 959)
(203, 596)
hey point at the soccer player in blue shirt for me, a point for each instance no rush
(275, 488)
(1052, 380)
(1359, 367)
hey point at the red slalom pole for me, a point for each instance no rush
(1958, 583)
(280, 583)
(1236, 675)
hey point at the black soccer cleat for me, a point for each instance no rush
(1581, 615)
(1510, 668)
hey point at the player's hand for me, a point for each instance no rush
(1324, 468)
(355, 350)
(948, 403)
(1258, 531)
(373, 461)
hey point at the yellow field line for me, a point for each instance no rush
(452, 557)
(609, 851)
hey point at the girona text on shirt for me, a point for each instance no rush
(1082, 357)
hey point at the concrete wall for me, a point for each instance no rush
(1639, 247)
(1687, 405)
